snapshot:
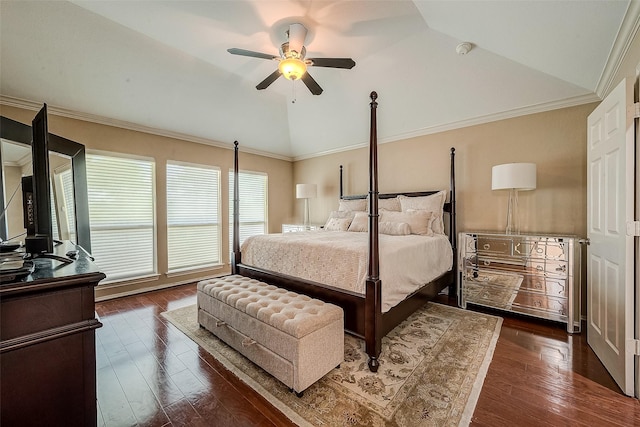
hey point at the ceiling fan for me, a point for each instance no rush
(292, 62)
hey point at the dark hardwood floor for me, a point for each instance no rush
(150, 374)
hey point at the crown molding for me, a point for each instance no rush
(517, 112)
(86, 117)
(538, 108)
(626, 34)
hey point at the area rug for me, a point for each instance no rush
(494, 290)
(432, 367)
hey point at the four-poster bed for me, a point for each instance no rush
(363, 313)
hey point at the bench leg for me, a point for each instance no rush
(298, 393)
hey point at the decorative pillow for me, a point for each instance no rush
(360, 222)
(432, 203)
(419, 221)
(394, 228)
(353, 205)
(337, 224)
(340, 215)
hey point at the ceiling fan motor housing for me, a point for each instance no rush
(285, 53)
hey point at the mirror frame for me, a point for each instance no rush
(19, 132)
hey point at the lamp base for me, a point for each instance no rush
(306, 213)
(513, 225)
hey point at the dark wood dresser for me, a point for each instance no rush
(47, 344)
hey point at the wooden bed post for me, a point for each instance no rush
(373, 290)
(235, 256)
(453, 238)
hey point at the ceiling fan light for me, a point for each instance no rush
(292, 68)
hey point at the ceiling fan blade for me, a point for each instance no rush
(313, 86)
(332, 62)
(243, 52)
(297, 34)
(266, 82)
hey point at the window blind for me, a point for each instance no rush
(122, 215)
(193, 216)
(66, 177)
(253, 205)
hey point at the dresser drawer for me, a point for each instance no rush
(548, 267)
(545, 286)
(494, 246)
(549, 248)
(543, 304)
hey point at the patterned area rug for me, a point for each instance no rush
(432, 367)
(494, 290)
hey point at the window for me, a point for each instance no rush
(122, 215)
(253, 205)
(193, 216)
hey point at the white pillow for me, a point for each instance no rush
(360, 222)
(419, 221)
(337, 224)
(432, 203)
(353, 205)
(394, 228)
(340, 215)
(392, 204)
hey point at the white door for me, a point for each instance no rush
(610, 255)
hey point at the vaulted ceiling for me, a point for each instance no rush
(164, 66)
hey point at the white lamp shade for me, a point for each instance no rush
(306, 191)
(517, 176)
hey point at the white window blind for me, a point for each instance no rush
(122, 215)
(193, 216)
(67, 189)
(63, 206)
(253, 205)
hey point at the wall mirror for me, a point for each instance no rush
(68, 178)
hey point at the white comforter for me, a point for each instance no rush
(339, 259)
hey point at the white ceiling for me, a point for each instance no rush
(164, 65)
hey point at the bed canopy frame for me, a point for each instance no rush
(362, 313)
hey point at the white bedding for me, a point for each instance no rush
(339, 259)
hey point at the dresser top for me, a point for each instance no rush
(527, 234)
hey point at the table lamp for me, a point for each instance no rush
(306, 192)
(513, 177)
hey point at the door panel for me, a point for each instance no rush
(610, 200)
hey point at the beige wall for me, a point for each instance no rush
(554, 140)
(113, 139)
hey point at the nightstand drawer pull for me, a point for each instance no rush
(487, 246)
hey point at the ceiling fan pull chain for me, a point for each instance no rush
(293, 91)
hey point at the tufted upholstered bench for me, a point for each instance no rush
(293, 337)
